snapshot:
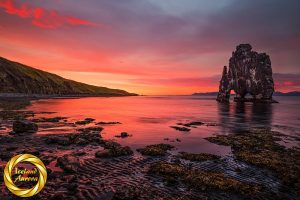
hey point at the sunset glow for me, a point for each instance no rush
(150, 47)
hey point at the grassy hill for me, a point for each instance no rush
(19, 78)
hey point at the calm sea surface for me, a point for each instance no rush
(148, 118)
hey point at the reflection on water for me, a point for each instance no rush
(149, 119)
(241, 116)
(262, 114)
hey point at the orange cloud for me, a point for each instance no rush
(41, 17)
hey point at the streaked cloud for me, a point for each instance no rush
(41, 17)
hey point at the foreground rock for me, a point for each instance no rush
(86, 136)
(13, 103)
(68, 163)
(85, 121)
(191, 124)
(198, 157)
(112, 150)
(23, 126)
(202, 180)
(259, 147)
(178, 128)
(15, 115)
(52, 119)
(93, 129)
(97, 176)
(195, 124)
(156, 150)
(123, 135)
(249, 73)
(126, 193)
(107, 123)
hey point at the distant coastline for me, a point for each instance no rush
(294, 93)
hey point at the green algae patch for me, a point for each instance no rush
(156, 149)
(199, 157)
(259, 147)
(202, 180)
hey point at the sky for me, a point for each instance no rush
(150, 47)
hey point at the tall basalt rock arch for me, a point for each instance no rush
(249, 72)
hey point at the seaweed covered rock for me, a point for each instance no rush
(126, 192)
(156, 149)
(178, 128)
(52, 119)
(108, 123)
(113, 149)
(249, 73)
(68, 163)
(259, 147)
(123, 135)
(85, 121)
(191, 124)
(203, 180)
(60, 140)
(198, 156)
(23, 126)
(114, 152)
(15, 114)
(91, 130)
(90, 135)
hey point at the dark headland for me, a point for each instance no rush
(18, 80)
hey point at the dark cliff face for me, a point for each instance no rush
(18, 78)
(249, 73)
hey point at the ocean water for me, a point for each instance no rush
(148, 119)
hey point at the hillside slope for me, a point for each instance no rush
(19, 78)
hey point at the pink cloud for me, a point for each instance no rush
(43, 18)
(287, 82)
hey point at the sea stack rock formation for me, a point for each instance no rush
(250, 73)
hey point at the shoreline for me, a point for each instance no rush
(41, 96)
(82, 164)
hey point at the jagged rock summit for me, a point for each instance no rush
(249, 73)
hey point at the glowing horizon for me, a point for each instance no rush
(149, 47)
